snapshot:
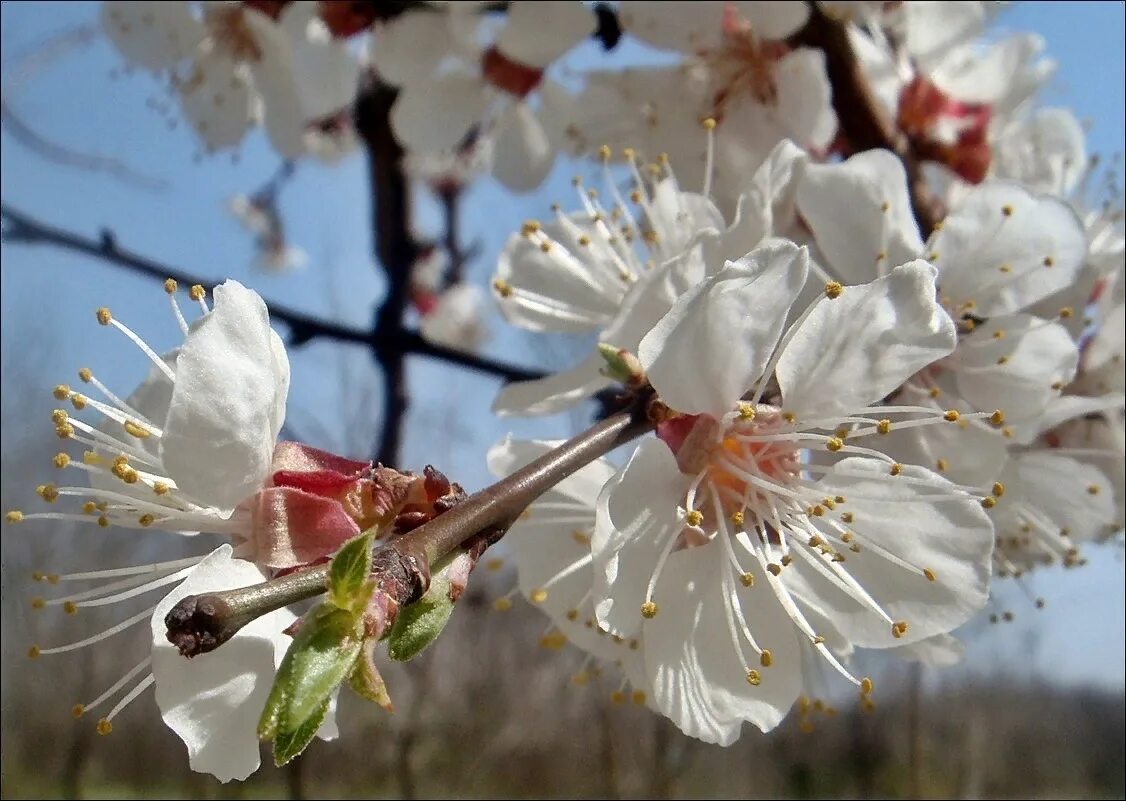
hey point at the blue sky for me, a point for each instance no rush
(48, 296)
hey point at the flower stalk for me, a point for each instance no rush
(401, 568)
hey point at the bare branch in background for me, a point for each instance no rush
(23, 229)
(26, 68)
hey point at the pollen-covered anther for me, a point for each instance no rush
(847, 517)
(78, 401)
(538, 596)
(766, 658)
(951, 415)
(997, 418)
(1049, 261)
(899, 628)
(834, 444)
(998, 489)
(866, 686)
(693, 517)
(1007, 210)
(502, 287)
(649, 610)
(78, 710)
(135, 429)
(572, 615)
(988, 502)
(774, 569)
(14, 516)
(197, 292)
(747, 580)
(941, 465)
(1066, 312)
(746, 410)
(38, 603)
(104, 727)
(47, 492)
(833, 289)
(104, 316)
(70, 607)
(884, 426)
(617, 697)
(934, 392)
(85, 374)
(1093, 489)
(708, 123)
(170, 286)
(754, 678)
(737, 518)
(146, 520)
(61, 460)
(160, 488)
(61, 392)
(929, 574)
(502, 604)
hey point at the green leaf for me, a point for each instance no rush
(289, 744)
(349, 582)
(320, 657)
(419, 624)
(366, 680)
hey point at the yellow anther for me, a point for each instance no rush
(766, 659)
(85, 374)
(545, 246)
(61, 460)
(774, 569)
(815, 541)
(663, 159)
(130, 476)
(628, 153)
(146, 520)
(104, 316)
(847, 537)
(70, 607)
(929, 574)
(934, 392)
(493, 565)
(64, 431)
(58, 417)
(884, 426)
(170, 286)
(998, 489)
(1049, 261)
(104, 727)
(816, 511)
(78, 710)
(789, 417)
(999, 333)
(538, 596)
(932, 256)
(817, 639)
(136, 430)
(617, 697)
(787, 560)
(1066, 312)
(502, 287)
(604, 152)
(839, 499)
(747, 579)
(33, 652)
(693, 517)
(896, 469)
(649, 610)
(580, 536)
(746, 410)
(866, 686)
(14, 516)
(1093, 489)
(584, 240)
(638, 697)
(1040, 602)
(197, 292)
(502, 604)
(941, 465)
(841, 433)
(47, 492)
(1007, 210)
(38, 603)
(847, 517)
(881, 255)
(834, 444)
(61, 392)
(833, 290)
(103, 521)
(754, 678)
(967, 325)
(737, 518)
(78, 401)
(1002, 360)
(1057, 385)
(899, 629)
(951, 415)
(988, 502)
(89, 507)
(1005, 268)
(160, 488)
(91, 457)
(37, 575)
(997, 418)
(553, 641)
(708, 123)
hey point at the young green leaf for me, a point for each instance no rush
(419, 624)
(289, 744)
(349, 586)
(366, 680)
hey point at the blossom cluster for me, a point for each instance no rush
(863, 412)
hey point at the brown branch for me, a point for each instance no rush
(401, 567)
(21, 228)
(862, 119)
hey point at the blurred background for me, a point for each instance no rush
(1035, 710)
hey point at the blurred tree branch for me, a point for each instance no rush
(21, 228)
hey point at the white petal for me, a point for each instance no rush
(554, 393)
(717, 339)
(932, 27)
(153, 35)
(1058, 488)
(538, 33)
(213, 701)
(232, 377)
(774, 19)
(953, 539)
(688, 27)
(217, 101)
(1047, 151)
(1041, 243)
(697, 677)
(636, 516)
(844, 205)
(325, 72)
(854, 350)
(431, 116)
(410, 46)
(970, 456)
(522, 154)
(942, 650)
(1037, 354)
